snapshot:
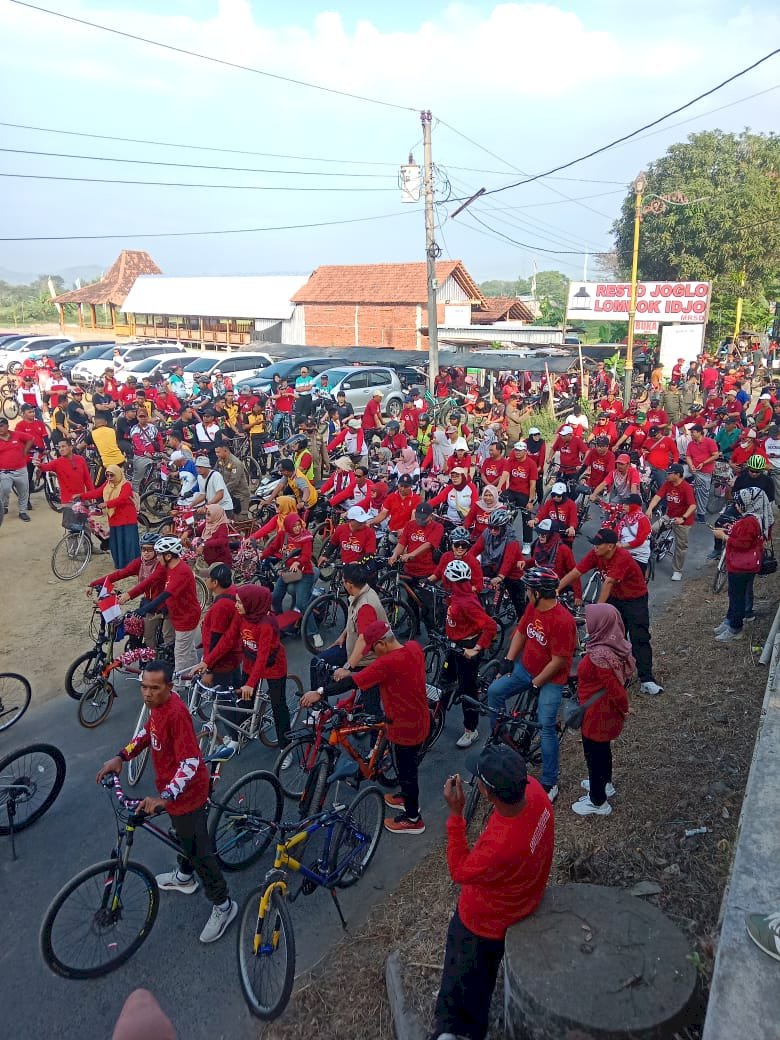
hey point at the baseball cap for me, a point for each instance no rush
(764, 397)
(459, 469)
(405, 480)
(676, 468)
(632, 500)
(425, 509)
(622, 457)
(377, 393)
(375, 632)
(544, 525)
(202, 462)
(534, 431)
(606, 536)
(521, 446)
(730, 392)
(343, 463)
(358, 513)
(502, 770)
(558, 489)
(460, 444)
(354, 424)
(565, 431)
(77, 390)
(177, 456)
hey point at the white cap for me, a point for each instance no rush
(459, 469)
(558, 489)
(521, 446)
(354, 424)
(460, 444)
(763, 397)
(377, 393)
(358, 513)
(534, 430)
(752, 433)
(177, 456)
(565, 431)
(544, 525)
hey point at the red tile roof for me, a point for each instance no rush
(501, 308)
(117, 282)
(382, 283)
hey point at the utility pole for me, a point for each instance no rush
(431, 251)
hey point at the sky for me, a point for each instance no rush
(532, 85)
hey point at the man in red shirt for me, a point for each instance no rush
(35, 430)
(680, 507)
(605, 427)
(354, 541)
(709, 380)
(540, 656)
(611, 406)
(599, 463)
(372, 416)
(493, 466)
(561, 510)
(14, 449)
(410, 417)
(502, 879)
(417, 542)
(180, 599)
(398, 506)
(700, 456)
(624, 586)
(518, 482)
(660, 452)
(72, 472)
(182, 779)
(571, 451)
(656, 415)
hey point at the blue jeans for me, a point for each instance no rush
(546, 713)
(300, 592)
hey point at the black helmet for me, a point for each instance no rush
(542, 579)
(424, 419)
(393, 426)
(149, 539)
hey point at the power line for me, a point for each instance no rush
(488, 234)
(217, 61)
(526, 245)
(194, 147)
(177, 184)
(198, 234)
(639, 130)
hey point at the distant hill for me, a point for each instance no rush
(86, 273)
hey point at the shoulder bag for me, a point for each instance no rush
(574, 713)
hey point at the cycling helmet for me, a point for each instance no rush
(424, 419)
(393, 426)
(696, 408)
(457, 570)
(542, 579)
(756, 462)
(150, 538)
(500, 518)
(296, 439)
(558, 488)
(454, 417)
(460, 534)
(169, 544)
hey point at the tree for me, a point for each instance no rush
(728, 233)
(553, 287)
(497, 287)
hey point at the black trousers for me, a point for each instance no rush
(281, 712)
(463, 670)
(303, 408)
(636, 618)
(199, 855)
(468, 979)
(740, 597)
(257, 443)
(598, 757)
(406, 761)
(337, 655)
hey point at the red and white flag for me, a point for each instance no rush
(108, 602)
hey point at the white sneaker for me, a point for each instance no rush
(610, 790)
(651, 688)
(470, 736)
(317, 641)
(218, 922)
(585, 807)
(173, 881)
(551, 791)
(728, 635)
(526, 548)
(721, 627)
(677, 576)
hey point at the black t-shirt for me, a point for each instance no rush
(763, 481)
(76, 414)
(104, 405)
(345, 411)
(185, 431)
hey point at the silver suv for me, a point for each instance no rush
(360, 382)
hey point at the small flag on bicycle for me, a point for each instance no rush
(108, 602)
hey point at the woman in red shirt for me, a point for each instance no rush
(744, 551)
(607, 666)
(549, 550)
(264, 657)
(216, 537)
(117, 494)
(478, 518)
(297, 552)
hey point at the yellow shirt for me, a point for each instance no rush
(104, 439)
(231, 411)
(256, 423)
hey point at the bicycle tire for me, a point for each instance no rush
(493, 652)
(15, 696)
(472, 801)
(320, 534)
(239, 831)
(26, 771)
(434, 663)
(438, 718)
(526, 739)
(327, 616)
(487, 673)
(650, 573)
(148, 901)
(719, 581)
(76, 682)
(157, 503)
(202, 592)
(71, 555)
(136, 766)
(10, 408)
(96, 703)
(304, 758)
(260, 943)
(665, 545)
(315, 789)
(293, 691)
(402, 620)
(361, 829)
(51, 491)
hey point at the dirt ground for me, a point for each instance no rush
(681, 763)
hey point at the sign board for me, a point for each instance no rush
(457, 315)
(678, 302)
(680, 341)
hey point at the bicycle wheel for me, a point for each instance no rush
(434, 663)
(202, 592)
(71, 555)
(356, 839)
(293, 691)
(650, 573)
(315, 789)
(486, 675)
(82, 674)
(15, 694)
(245, 820)
(266, 953)
(665, 546)
(96, 702)
(402, 620)
(99, 919)
(493, 652)
(51, 491)
(34, 775)
(320, 534)
(136, 766)
(155, 502)
(302, 756)
(10, 408)
(472, 801)
(326, 617)
(525, 736)
(719, 581)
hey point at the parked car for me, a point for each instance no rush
(65, 351)
(6, 338)
(31, 346)
(360, 382)
(242, 363)
(154, 365)
(96, 350)
(86, 370)
(288, 369)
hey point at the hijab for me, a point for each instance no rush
(111, 491)
(489, 492)
(407, 462)
(256, 601)
(215, 517)
(607, 643)
(544, 553)
(495, 546)
(755, 503)
(285, 505)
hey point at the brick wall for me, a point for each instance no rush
(378, 325)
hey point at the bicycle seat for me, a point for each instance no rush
(222, 754)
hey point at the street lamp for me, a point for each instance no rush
(639, 186)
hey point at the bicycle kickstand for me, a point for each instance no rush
(11, 810)
(335, 899)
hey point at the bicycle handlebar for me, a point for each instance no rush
(111, 781)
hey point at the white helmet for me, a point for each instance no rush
(169, 544)
(457, 570)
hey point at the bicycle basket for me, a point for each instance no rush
(74, 519)
(433, 693)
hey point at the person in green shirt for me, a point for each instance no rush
(727, 436)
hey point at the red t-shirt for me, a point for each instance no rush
(34, 430)
(709, 378)
(182, 603)
(625, 572)
(679, 498)
(571, 452)
(372, 416)
(662, 453)
(504, 876)
(73, 476)
(401, 509)
(564, 512)
(467, 618)
(600, 466)
(12, 452)
(400, 676)
(522, 473)
(697, 452)
(264, 654)
(549, 633)
(284, 401)
(492, 469)
(412, 536)
(354, 545)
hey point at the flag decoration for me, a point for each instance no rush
(108, 602)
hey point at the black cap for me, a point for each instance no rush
(632, 500)
(676, 468)
(606, 536)
(730, 419)
(424, 509)
(405, 480)
(602, 442)
(502, 770)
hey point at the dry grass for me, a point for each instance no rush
(681, 763)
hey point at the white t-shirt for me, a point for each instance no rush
(772, 449)
(579, 420)
(211, 484)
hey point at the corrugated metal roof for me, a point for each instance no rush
(242, 296)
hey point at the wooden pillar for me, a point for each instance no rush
(93, 315)
(61, 312)
(200, 332)
(81, 315)
(112, 312)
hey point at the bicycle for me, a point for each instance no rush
(661, 546)
(102, 916)
(266, 940)
(440, 700)
(73, 551)
(15, 696)
(722, 479)
(254, 722)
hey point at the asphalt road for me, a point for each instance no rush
(197, 985)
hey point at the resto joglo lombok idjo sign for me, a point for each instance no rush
(655, 301)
